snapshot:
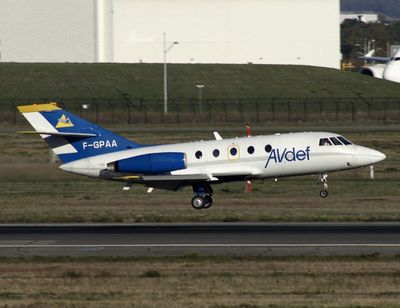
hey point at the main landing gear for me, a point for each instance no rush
(323, 179)
(203, 198)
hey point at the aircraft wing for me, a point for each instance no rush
(173, 182)
(179, 180)
(170, 182)
(377, 59)
(185, 177)
(149, 178)
(370, 57)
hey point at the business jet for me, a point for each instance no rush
(90, 150)
(388, 68)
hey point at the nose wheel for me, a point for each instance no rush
(323, 179)
(203, 198)
(323, 193)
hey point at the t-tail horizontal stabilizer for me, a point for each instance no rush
(59, 134)
(70, 137)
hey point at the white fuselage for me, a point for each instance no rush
(276, 155)
(392, 71)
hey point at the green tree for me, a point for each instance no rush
(354, 34)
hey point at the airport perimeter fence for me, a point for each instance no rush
(218, 111)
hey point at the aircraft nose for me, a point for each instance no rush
(366, 156)
(376, 156)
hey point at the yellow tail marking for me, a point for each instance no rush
(38, 107)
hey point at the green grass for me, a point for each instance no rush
(370, 281)
(71, 80)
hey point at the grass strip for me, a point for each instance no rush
(209, 281)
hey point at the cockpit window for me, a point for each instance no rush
(344, 140)
(338, 140)
(335, 141)
(324, 141)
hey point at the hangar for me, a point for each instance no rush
(303, 32)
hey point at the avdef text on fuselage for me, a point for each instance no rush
(279, 156)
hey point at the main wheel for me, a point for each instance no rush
(208, 201)
(198, 202)
(323, 193)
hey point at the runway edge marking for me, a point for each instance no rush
(194, 245)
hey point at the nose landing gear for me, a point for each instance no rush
(323, 179)
(323, 193)
(203, 198)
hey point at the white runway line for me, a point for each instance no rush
(195, 245)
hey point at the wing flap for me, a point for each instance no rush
(162, 178)
(169, 182)
(191, 177)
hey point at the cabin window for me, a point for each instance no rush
(216, 153)
(344, 140)
(335, 141)
(250, 150)
(199, 154)
(233, 152)
(324, 142)
(268, 148)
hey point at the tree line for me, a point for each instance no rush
(357, 37)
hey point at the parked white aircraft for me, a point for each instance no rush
(90, 150)
(388, 68)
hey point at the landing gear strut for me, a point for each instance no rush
(203, 198)
(323, 179)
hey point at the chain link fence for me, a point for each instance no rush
(222, 111)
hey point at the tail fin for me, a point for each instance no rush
(70, 137)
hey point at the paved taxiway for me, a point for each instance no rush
(200, 238)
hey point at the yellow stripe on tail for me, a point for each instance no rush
(38, 107)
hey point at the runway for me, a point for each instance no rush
(269, 239)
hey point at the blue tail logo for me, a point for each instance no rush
(70, 137)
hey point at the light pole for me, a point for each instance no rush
(165, 71)
(200, 87)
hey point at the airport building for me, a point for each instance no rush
(302, 32)
(359, 16)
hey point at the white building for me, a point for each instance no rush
(360, 16)
(208, 31)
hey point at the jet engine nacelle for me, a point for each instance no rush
(373, 71)
(392, 71)
(154, 163)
